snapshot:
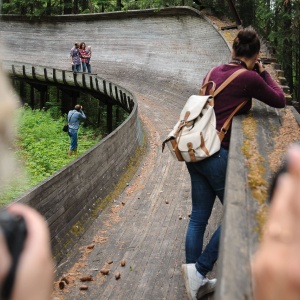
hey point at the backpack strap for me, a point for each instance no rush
(204, 87)
(206, 83)
(71, 117)
(222, 86)
(227, 123)
(228, 80)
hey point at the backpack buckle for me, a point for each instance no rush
(223, 130)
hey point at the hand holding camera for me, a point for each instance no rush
(259, 67)
(33, 274)
(14, 231)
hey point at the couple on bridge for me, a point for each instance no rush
(81, 55)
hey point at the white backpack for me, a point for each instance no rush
(195, 137)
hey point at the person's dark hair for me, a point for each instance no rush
(246, 44)
(81, 44)
(78, 107)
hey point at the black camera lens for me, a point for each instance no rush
(15, 232)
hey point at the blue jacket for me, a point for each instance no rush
(74, 118)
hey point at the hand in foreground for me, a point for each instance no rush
(276, 265)
(34, 275)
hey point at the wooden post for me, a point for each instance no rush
(33, 73)
(83, 80)
(64, 77)
(99, 114)
(65, 102)
(111, 90)
(54, 75)
(91, 83)
(24, 71)
(43, 95)
(117, 114)
(109, 118)
(46, 74)
(116, 92)
(32, 96)
(104, 87)
(22, 91)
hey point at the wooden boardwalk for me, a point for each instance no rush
(162, 60)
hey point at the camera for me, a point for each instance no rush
(14, 230)
(256, 66)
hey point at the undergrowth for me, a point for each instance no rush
(42, 149)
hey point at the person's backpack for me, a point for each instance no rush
(195, 137)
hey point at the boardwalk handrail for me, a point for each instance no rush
(85, 81)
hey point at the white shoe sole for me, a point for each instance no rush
(186, 282)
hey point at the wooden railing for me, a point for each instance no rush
(86, 81)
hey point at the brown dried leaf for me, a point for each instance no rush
(86, 278)
(104, 271)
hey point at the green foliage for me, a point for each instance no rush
(42, 148)
(51, 7)
(278, 22)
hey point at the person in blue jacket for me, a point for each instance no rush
(74, 118)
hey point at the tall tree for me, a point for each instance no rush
(84, 5)
(287, 42)
(67, 7)
(119, 5)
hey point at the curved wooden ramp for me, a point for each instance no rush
(161, 57)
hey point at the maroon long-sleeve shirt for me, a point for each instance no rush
(246, 86)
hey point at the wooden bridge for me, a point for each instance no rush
(135, 199)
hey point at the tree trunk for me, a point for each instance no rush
(84, 5)
(48, 9)
(67, 7)
(75, 7)
(288, 44)
(119, 5)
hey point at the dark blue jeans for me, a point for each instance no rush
(89, 68)
(83, 66)
(73, 138)
(76, 68)
(208, 182)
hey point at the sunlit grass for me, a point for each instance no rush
(42, 149)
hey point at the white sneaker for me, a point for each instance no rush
(193, 282)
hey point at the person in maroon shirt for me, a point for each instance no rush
(208, 175)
